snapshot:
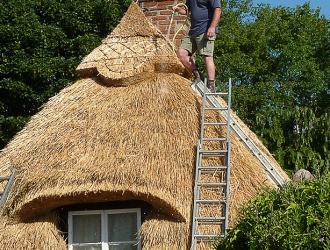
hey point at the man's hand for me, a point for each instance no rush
(214, 23)
(179, 10)
(211, 32)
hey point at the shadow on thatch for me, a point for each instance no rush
(37, 208)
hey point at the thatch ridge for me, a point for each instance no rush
(134, 24)
(132, 52)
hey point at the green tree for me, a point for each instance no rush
(41, 43)
(279, 58)
(295, 217)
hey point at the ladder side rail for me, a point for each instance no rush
(197, 172)
(275, 176)
(194, 215)
(7, 188)
(226, 226)
(203, 115)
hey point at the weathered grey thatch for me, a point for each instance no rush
(100, 140)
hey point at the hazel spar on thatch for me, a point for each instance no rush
(127, 135)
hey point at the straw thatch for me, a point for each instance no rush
(41, 234)
(132, 52)
(100, 141)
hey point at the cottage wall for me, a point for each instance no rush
(159, 12)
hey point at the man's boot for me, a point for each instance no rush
(198, 76)
(211, 85)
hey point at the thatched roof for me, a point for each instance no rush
(134, 50)
(41, 234)
(93, 138)
(100, 141)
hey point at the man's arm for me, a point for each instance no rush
(214, 23)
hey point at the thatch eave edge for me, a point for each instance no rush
(35, 206)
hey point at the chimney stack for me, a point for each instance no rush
(159, 13)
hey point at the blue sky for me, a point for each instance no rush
(323, 4)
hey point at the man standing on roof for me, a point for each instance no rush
(205, 16)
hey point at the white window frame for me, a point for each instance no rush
(104, 225)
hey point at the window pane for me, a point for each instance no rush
(86, 228)
(127, 246)
(90, 247)
(122, 227)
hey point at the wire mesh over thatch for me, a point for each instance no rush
(132, 52)
(100, 141)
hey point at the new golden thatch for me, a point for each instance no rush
(127, 135)
(134, 51)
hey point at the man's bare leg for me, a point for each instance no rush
(187, 61)
(210, 68)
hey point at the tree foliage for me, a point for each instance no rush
(280, 61)
(296, 217)
(42, 42)
(278, 57)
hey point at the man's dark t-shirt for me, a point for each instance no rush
(201, 14)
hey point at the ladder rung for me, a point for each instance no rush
(205, 184)
(210, 219)
(213, 151)
(203, 151)
(214, 155)
(216, 108)
(205, 237)
(211, 201)
(212, 168)
(4, 178)
(215, 123)
(214, 139)
(217, 93)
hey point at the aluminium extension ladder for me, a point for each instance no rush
(243, 135)
(211, 191)
(9, 182)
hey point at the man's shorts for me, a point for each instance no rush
(202, 44)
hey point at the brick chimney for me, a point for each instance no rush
(159, 12)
